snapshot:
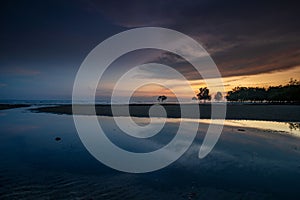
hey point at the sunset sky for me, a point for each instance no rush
(43, 43)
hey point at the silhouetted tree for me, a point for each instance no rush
(237, 94)
(218, 96)
(194, 99)
(203, 94)
(161, 98)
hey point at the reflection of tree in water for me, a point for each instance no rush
(294, 125)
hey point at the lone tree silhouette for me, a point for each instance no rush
(218, 96)
(203, 94)
(161, 98)
(194, 99)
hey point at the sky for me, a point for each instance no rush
(43, 43)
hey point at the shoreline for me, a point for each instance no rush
(268, 112)
(11, 106)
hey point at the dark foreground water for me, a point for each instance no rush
(245, 164)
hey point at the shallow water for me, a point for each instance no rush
(292, 128)
(36, 166)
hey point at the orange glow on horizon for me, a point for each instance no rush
(260, 80)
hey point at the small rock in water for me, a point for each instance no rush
(241, 129)
(57, 138)
(192, 195)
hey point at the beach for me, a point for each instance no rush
(150, 100)
(289, 113)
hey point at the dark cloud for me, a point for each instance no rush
(243, 37)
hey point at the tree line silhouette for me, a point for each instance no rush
(289, 93)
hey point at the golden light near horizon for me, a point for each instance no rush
(259, 80)
(265, 79)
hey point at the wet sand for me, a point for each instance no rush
(284, 113)
(10, 106)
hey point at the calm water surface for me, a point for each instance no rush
(36, 166)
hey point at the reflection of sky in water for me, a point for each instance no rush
(31, 159)
(265, 125)
(288, 127)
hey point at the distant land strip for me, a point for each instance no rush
(270, 112)
(10, 106)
